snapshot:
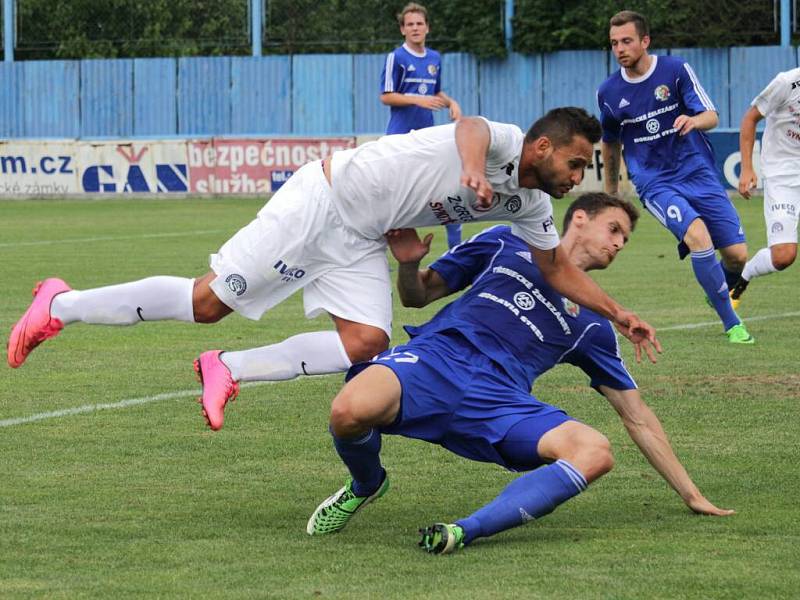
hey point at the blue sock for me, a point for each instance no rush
(731, 277)
(453, 234)
(708, 272)
(529, 497)
(362, 457)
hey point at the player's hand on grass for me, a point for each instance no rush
(747, 182)
(702, 506)
(684, 124)
(640, 333)
(476, 181)
(406, 246)
(430, 102)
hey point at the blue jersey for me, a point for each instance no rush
(407, 73)
(640, 113)
(511, 315)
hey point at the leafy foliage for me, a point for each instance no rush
(137, 28)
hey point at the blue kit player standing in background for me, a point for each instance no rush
(411, 84)
(464, 379)
(656, 109)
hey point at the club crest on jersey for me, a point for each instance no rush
(662, 93)
(513, 204)
(572, 309)
(432, 70)
(236, 283)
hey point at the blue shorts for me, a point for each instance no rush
(677, 204)
(455, 396)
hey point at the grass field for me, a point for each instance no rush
(142, 500)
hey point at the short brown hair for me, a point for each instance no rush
(629, 16)
(594, 203)
(409, 8)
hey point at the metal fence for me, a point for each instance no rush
(324, 94)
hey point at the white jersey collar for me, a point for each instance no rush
(417, 54)
(640, 79)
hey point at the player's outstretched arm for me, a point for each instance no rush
(646, 431)
(576, 285)
(747, 139)
(612, 159)
(472, 140)
(416, 287)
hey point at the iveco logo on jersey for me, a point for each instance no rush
(288, 273)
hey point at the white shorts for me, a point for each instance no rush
(781, 206)
(298, 240)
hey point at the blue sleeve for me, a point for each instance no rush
(611, 126)
(600, 359)
(391, 74)
(691, 91)
(462, 265)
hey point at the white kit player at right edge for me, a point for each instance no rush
(779, 102)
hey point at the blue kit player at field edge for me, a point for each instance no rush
(655, 110)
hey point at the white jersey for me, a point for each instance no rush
(779, 102)
(413, 180)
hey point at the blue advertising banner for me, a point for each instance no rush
(729, 159)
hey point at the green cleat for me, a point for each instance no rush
(442, 538)
(738, 335)
(336, 511)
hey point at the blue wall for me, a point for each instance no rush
(311, 95)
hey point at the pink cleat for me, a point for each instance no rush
(36, 325)
(218, 387)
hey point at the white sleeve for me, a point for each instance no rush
(537, 226)
(504, 145)
(772, 96)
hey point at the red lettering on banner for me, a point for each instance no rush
(242, 166)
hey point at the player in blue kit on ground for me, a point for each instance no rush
(464, 379)
(411, 84)
(655, 109)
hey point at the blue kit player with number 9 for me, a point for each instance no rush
(656, 109)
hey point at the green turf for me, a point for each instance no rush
(144, 501)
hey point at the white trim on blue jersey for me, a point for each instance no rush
(578, 341)
(388, 80)
(698, 88)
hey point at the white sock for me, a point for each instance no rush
(760, 264)
(314, 353)
(151, 299)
